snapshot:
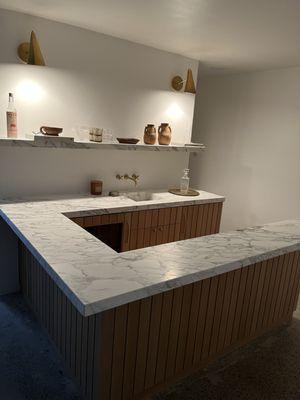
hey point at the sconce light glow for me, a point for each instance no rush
(30, 91)
(174, 111)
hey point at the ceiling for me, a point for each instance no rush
(222, 34)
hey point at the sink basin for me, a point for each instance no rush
(140, 196)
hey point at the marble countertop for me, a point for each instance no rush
(96, 278)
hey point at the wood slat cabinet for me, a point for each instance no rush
(158, 226)
(138, 348)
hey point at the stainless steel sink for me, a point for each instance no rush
(140, 196)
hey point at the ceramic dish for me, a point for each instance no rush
(50, 130)
(128, 140)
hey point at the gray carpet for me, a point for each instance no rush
(30, 368)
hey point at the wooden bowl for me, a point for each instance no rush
(128, 140)
(50, 130)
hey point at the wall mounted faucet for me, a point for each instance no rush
(134, 178)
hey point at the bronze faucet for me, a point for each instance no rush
(134, 178)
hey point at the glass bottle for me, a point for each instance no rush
(11, 118)
(185, 182)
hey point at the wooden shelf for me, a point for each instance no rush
(69, 143)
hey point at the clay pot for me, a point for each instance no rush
(164, 134)
(150, 134)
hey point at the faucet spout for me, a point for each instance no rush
(134, 178)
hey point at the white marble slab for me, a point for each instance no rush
(64, 142)
(96, 278)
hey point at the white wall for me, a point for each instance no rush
(250, 123)
(95, 80)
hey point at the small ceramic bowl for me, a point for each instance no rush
(50, 130)
(128, 140)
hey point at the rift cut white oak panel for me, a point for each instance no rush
(137, 348)
(164, 225)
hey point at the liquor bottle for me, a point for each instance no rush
(11, 118)
(185, 182)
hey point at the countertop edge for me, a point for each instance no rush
(81, 307)
(106, 304)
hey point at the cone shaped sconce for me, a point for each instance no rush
(190, 84)
(177, 83)
(30, 53)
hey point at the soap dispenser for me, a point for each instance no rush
(185, 182)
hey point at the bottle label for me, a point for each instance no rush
(12, 130)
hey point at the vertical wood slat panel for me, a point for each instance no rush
(131, 349)
(246, 300)
(147, 237)
(141, 229)
(154, 218)
(239, 305)
(277, 266)
(174, 330)
(232, 307)
(183, 327)
(84, 343)
(260, 286)
(264, 297)
(161, 217)
(164, 336)
(218, 223)
(253, 297)
(214, 283)
(133, 239)
(90, 356)
(190, 221)
(149, 341)
(78, 348)
(153, 236)
(199, 220)
(273, 265)
(134, 219)
(191, 339)
(294, 265)
(142, 346)
(225, 311)
(286, 282)
(177, 232)
(166, 231)
(107, 332)
(159, 235)
(155, 321)
(201, 321)
(126, 232)
(218, 314)
(60, 318)
(194, 221)
(281, 274)
(214, 218)
(119, 352)
(183, 223)
(205, 212)
(209, 219)
(296, 285)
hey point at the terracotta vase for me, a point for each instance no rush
(164, 134)
(150, 134)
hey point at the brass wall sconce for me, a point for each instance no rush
(30, 52)
(177, 83)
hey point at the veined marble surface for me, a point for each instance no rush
(64, 142)
(96, 278)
